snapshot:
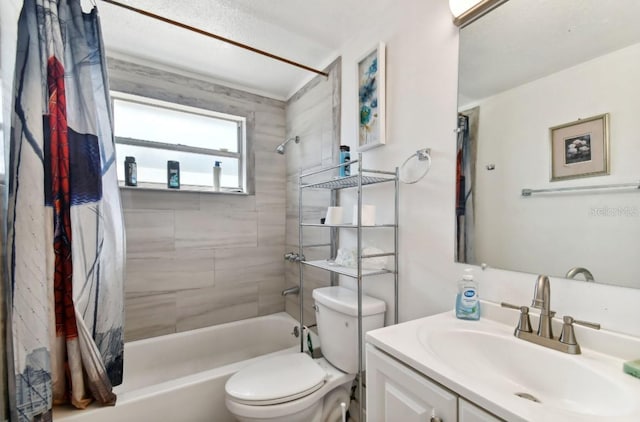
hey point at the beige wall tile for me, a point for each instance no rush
(210, 306)
(149, 231)
(212, 203)
(149, 315)
(271, 227)
(270, 122)
(209, 230)
(242, 266)
(270, 181)
(270, 299)
(159, 200)
(170, 271)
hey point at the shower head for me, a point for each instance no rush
(280, 148)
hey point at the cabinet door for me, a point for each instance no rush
(469, 412)
(398, 393)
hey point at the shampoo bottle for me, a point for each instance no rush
(130, 171)
(173, 174)
(216, 176)
(345, 156)
(467, 301)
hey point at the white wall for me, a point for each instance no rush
(421, 56)
(514, 135)
(422, 46)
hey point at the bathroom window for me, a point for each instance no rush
(154, 132)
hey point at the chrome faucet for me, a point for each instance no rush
(293, 257)
(542, 301)
(573, 272)
(291, 291)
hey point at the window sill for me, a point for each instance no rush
(161, 187)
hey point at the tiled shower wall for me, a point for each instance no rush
(313, 114)
(198, 259)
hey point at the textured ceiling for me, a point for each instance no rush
(520, 34)
(309, 32)
(524, 40)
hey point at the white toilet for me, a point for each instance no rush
(294, 387)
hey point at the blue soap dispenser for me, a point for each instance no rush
(467, 301)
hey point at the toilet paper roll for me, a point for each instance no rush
(368, 215)
(334, 215)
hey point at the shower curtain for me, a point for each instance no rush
(65, 232)
(465, 168)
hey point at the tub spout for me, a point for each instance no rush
(291, 291)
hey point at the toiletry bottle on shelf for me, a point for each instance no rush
(345, 156)
(467, 301)
(130, 171)
(216, 176)
(173, 174)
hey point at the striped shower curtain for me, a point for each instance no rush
(65, 245)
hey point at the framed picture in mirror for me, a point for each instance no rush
(580, 148)
(371, 99)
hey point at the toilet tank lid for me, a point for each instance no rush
(343, 300)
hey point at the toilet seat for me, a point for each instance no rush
(276, 380)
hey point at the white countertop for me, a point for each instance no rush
(405, 342)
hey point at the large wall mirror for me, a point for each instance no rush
(527, 67)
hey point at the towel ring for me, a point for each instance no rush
(422, 155)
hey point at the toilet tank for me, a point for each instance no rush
(337, 319)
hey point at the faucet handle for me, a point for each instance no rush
(593, 325)
(508, 305)
(524, 324)
(568, 336)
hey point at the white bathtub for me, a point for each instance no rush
(181, 377)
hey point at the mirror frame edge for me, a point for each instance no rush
(476, 12)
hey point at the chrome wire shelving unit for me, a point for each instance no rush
(362, 178)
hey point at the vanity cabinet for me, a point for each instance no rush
(395, 392)
(469, 412)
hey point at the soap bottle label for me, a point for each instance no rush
(133, 174)
(467, 303)
(469, 298)
(345, 156)
(130, 172)
(173, 174)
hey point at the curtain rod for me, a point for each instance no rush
(215, 36)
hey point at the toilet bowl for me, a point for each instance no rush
(297, 388)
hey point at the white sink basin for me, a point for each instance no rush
(514, 367)
(516, 380)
